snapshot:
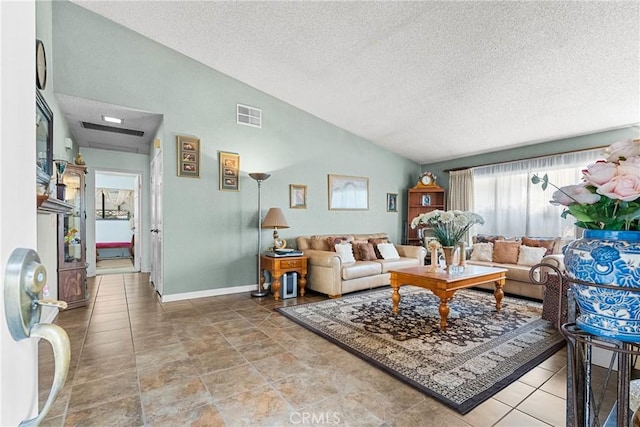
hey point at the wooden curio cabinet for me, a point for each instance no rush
(422, 198)
(72, 267)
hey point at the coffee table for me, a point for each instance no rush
(444, 285)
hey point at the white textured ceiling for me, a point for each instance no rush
(430, 81)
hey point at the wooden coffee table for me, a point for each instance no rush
(444, 285)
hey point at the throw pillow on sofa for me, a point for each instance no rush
(356, 249)
(388, 251)
(333, 241)
(366, 252)
(539, 243)
(482, 252)
(506, 251)
(375, 243)
(530, 255)
(345, 252)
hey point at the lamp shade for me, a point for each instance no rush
(275, 219)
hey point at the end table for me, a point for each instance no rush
(277, 266)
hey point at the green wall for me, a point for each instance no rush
(210, 236)
(583, 142)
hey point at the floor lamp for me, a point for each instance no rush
(259, 177)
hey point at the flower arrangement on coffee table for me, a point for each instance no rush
(447, 228)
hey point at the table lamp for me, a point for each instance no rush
(275, 219)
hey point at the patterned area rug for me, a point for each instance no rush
(480, 353)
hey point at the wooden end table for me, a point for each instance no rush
(277, 266)
(444, 285)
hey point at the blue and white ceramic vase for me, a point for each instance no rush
(611, 258)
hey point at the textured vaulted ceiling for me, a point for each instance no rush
(430, 81)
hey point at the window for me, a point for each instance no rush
(113, 203)
(512, 206)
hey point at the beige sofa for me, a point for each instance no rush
(328, 274)
(518, 279)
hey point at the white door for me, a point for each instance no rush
(156, 220)
(18, 360)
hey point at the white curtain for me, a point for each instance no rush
(460, 190)
(512, 206)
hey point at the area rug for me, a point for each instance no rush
(481, 352)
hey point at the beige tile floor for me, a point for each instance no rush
(233, 361)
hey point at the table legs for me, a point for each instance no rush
(395, 296)
(276, 286)
(499, 294)
(443, 309)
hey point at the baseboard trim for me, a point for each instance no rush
(209, 293)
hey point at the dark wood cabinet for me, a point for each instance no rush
(72, 234)
(421, 199)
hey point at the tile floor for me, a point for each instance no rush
(233, 361)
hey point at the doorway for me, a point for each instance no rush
(117, 219)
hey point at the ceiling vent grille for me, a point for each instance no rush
(103, 128)
(248, 116)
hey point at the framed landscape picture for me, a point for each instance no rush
(188, 156)
(348, 192)
(229, 171)
(297, 196)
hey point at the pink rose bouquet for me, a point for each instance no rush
(609, 196)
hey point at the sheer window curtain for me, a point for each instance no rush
(512, 206)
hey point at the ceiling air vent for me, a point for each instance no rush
(249, 116)
(103, 128)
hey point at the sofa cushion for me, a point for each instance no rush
(539, 243)
(356, 251)
(388, 251)
(319, 243)
(366, 252)
(519, 273)
(482, 252)
(530, 256)
(506, 251)
(395, 264)
(345, 252)
(361, 269)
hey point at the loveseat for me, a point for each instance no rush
(333, 272)
(517, 255)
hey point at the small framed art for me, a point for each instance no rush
(426, 200)
(229, 171)
(188, 156)
(392, 202)
(297, 196)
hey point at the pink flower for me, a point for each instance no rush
(574, 194)
(622, 187)
(626, 149)
(600, 172)
(631, 166)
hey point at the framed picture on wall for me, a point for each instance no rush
(348, 192)
(229, 171)
(188, 156)
(392, 202)
(297, 196)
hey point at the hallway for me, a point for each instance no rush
(232, 360)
